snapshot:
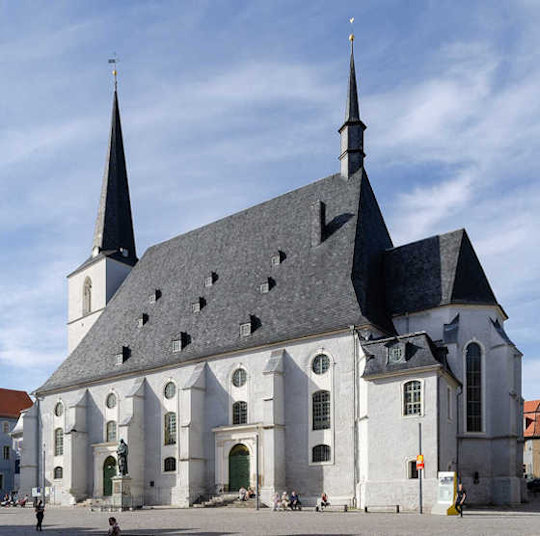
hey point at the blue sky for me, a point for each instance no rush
(228, 103)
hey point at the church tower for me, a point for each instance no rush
(113, 254)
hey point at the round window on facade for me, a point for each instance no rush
(59, 409)
(321, 364)
(170, 390)
(111, 401)
(239, 377)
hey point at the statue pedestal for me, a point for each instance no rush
(121, 492)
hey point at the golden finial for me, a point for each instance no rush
(351, 36)
(114, 61)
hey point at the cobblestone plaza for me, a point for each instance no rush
(228, 521)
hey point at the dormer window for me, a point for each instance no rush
(210, 279)
(196, 306)
(142, 320)
(277, 258)
(122, 356)
(154, 297)
(245, 329)
(264, 288)
(179, 343)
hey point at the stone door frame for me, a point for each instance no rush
(101, 452)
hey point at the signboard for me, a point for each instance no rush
(420, 461)
(36, 492)
(446, 494)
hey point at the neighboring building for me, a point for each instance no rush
(531, 434)
(11, 404)
(294, 327)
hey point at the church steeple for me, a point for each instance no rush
(113, 235)
(352, 132)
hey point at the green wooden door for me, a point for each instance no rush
(109, 470)
(238, 467)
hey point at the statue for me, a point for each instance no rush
(122, 452)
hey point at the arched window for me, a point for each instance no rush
(58, 442)
(169, 464)
(321, 410)
(111, 431)
(87, 296)
(473, 360)
(320, 453)
(412, 398)
(321, 363)
(170, 428)
(58, 473)
(239, 413)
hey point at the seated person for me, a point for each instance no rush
(242, 493)
(250, 493)
(276, 502)
(284, 500)
(294, 502)
(322, 502)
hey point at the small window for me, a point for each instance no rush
(412, 398)
(321, 364)
(449, 402)
(111, 400)
(58, 473)
(5, 427)
(169, 465)
(170, 428)
(396, 353)
(264, 288)
(170, 390)
(111, 432)
(321, 410)
(276, 258)
(123, 355)
(142, 320)
(196, 306)
(180, 343)
(6, 452)
(87, 296)
(412, 470)
(58, 442)
(239, 377)
(240, 412)
(177, 345)
(210, 279)
(245, 329)
(320, 453)
(59, 409)
(124, 252)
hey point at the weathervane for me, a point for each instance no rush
(114, 60)
(351, 36)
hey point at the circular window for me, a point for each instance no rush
(170, 390)
(59, 409)
(321, 364)
(111, 401)
(239, 377)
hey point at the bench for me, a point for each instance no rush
(393, 507)
(332, 508)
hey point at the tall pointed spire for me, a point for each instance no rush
(352, 132)
(113, 235)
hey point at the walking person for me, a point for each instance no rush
(460, 499)
(40, 514)
(114, 528)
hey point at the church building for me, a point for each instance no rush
(291, 342)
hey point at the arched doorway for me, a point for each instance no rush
(109, 470)
(238, 467)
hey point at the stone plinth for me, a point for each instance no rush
(121, 492)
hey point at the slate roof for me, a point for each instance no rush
(13, 402)
(439, 270)
(419, 351)
(315, 289)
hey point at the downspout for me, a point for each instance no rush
(355, 413)
(438, 424)
(40, 477)
(459, 392)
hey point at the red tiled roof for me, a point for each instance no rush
(530, 406)
(13, 402)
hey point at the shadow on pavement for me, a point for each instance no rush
(81, 531)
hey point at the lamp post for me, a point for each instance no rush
(257, 470)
